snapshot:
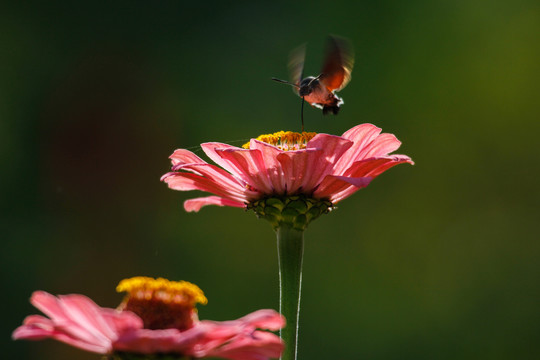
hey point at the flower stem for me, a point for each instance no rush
(290, 243)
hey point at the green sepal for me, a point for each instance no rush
(295, 211)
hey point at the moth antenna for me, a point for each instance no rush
(285, 82)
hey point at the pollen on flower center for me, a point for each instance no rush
(160, 303)
(286, 140)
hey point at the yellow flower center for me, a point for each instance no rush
(286, 140)
(160, 303)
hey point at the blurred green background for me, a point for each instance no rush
(433, 261)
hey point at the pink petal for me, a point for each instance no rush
(77, 321)
(211, 150)
(87, 316)
(333, 147)
(48, 304)
(206, 177)
(301, 170)
(237, 336)
(183, 156)
(264, 319)
(361, 136)
(375, 166)
(145, 341)
(215, 335)
(259, 345)
(218, 176)
(186, 181)
(333, 184)
(76, 316)
(273, 167)
(296, 166)
(35, 327)
(62, 326)
(365, 167)
(197, 203)
(121, 321)
(383, 145)
(369, 168)
(234, 339)
(78, 343)
(250, 166)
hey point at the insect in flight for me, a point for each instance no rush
(319, 91)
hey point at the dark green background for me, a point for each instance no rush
(433, 261)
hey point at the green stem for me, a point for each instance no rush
(290, 243)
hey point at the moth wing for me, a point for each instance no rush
(296, 65)
(338, 64)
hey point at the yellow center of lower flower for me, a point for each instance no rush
(286, 140)
(160, 303)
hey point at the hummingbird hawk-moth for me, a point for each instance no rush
(319, 91)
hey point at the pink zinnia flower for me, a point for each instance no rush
(317, 166)
(156, 317)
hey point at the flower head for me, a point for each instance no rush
(322, 168)
(160, 303)
(156, 317)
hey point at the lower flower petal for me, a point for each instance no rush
(197, 203)
(273, 167)
(361, 136)
(37, 327)
(264, 319)
(211, 150)
(333, 184)
(121, 321)
(295, 166)
(366, 167)
(368, 142)
(76, 320)
(88, 323)
(49, 305)
(216, 175)
(396, 160)
(259, 345)
(369, 168)
(333, 148)
(382, 145)
(249, 165)
(187, 181)
(183, 156)
(164, 341)
(75, 317)
(238, 339)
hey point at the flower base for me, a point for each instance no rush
(295, 211)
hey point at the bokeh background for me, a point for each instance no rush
(433, 261)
